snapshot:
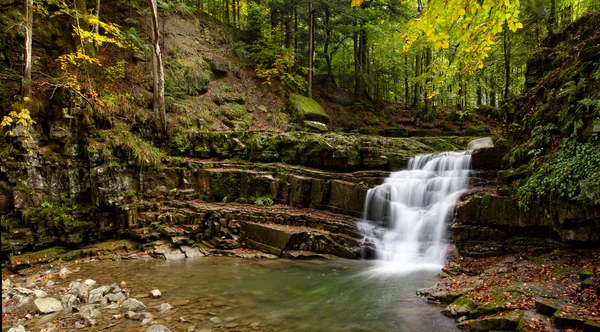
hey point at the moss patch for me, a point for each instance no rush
(304, 108)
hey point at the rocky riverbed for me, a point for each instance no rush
(553, 292)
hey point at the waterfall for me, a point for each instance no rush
(406, 218)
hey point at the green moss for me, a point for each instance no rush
(480, 129)
(304, 108)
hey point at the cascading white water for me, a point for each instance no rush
(406, 217)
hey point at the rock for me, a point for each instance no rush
(587, 283)
(117, 316)
(116, 297)
(216, 320)
(306, 109)
(155, 293)
(164, 307)
(97, 294)
(191, 252)
(19, 328)
(83, 292)
(480, 143)
(315, 126)
(585, 274)
(6, 284)
(158, 328)
(509, 321)
(547, 306)
(532, 318)
(23, 290)
(132, 304)
(564, 320)
(191, 328)
(231, 325)
(90, 282)
(68, 300)
(146, 321)
(178, 303)
(175, 255)
(589, 326)
(89, 312)
(138, 315)
(47, 305)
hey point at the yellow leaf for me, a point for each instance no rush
(519, 25)
(356, 3)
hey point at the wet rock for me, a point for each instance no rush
(316, 126)
(509, 321)
(96, 294)
(191, 252)
(23, 291)
(83, 292)
(164, 307)
(138, 315)
(155, 293)
(216, 320)
(116, 297)
(117, 316)
(158, 328)
(47, 305)
(585, 274)
(89, 312)
(134, 305)
(68, 300)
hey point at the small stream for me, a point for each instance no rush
(271, 295)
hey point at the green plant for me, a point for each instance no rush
(265, 200)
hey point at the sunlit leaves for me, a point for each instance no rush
(468, 27)
(356, 3)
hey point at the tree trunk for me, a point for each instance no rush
(506, 47)
(326, 44)
(479, 95)
(158, 104)
(81, 10)
(428, 82)
(26, 83)
(417, 97)
(97, 26)
(406, 88)
(552, 18)
(310, 47)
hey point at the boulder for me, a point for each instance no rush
(307, 109)
(132, 304)
(155, 293)
(508, 321)
(47, 305)
(19, 328)
(547, 306)
(480, 143)
(589, 326)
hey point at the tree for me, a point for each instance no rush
(28, 48)
(158, 104)
(310, 46)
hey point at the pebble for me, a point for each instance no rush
(216, 320)
(164, 308)
(155, 293)
(90, 282)
(232, 325)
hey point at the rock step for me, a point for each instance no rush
(295, 241)
(278, 229)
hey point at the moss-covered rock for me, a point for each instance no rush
(306, 109)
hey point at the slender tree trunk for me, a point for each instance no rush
(552, 20)
(97, 26)
(479, 95)
(310, 46)
(158, 104)
(288, 27)
(506, 47)
(81, 9)
(26, 83)
(428, 88)
(417, 97)
(326, 44)
(406, 87)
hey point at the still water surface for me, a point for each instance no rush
(273, 295)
